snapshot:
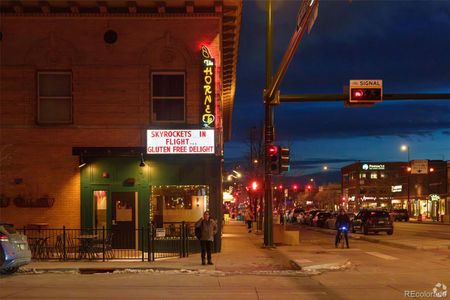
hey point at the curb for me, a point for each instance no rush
(82, 270)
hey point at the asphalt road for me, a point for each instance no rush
(407, 229)
(373, 271)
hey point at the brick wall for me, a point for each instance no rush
(111, 104)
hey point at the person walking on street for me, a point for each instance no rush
(208, 229)
(342, 220)
(249, 218)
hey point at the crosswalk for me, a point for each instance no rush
(381, 255)
(311, 260)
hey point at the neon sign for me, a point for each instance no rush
(208, 90)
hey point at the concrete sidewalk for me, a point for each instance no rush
(242, 252)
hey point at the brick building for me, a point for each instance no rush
(421, 186)
(115, 111)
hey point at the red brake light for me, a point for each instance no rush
(3, 238)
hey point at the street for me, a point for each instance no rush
(243, 270)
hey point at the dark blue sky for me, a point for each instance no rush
(404, 43)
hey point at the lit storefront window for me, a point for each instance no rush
(176, 203)
(100, 200)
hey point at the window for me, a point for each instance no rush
(168, 97)
(100, 200)
(362, 175)
(54, 97)
(373, 175)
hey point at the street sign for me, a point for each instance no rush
(366, 91)
(419, 166)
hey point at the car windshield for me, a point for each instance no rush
(7, 229)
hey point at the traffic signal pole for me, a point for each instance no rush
(271, 98)
(268, 134)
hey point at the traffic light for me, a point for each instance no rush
(295, 188)
(284, 159)
(255, 186)
(365, 91)
(272, 155)
(360, 94)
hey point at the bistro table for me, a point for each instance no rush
(86, 245)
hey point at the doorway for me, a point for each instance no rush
(123, 220)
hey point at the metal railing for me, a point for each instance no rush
(175, 239)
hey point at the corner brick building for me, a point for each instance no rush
(82, 82)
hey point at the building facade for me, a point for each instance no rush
(421, 186)
(114, 113)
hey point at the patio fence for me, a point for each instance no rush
(148, 243)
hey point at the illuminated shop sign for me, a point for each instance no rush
(435, 197)
(207, 90)
(396, 188)
(373, 166)
(180, 141)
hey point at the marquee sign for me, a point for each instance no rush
(180, 141)
(207, 90)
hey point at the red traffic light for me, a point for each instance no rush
(254, 186)
(308, 187)
(357, 93)
(295, 187)
(280, 186)
(272, 150)
(366, 95)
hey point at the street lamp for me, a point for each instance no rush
(239, 175)
(406, 148)
(325, 168)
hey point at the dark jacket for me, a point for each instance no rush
(209, 229)
(342, 220)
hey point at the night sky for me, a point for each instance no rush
(404, 43)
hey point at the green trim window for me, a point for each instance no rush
(100, 202)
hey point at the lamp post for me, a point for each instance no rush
(408, 169)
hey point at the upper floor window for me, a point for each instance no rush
(54, 97)
(168, 96)
(362, 175)
(373, 175)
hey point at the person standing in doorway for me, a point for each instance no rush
(208, 229)
(249, 218)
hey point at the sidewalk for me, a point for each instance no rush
(242, 252)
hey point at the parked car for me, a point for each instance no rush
(331, 221)
(373, 220)
(400, 215)
(320, 218)
(296, 213)
(310, 216)
(14, 249)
